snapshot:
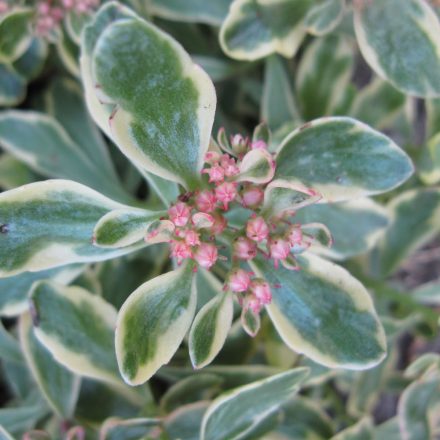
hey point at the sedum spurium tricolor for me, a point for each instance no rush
(232, 225)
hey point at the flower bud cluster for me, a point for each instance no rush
(50, 13)
(197, 225)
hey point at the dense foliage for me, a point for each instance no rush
(219, 219)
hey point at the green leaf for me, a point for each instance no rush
(15, 34)
(363, 430)
(429, 164)
(303, 419)
(278, 105)
(31, 63)
(428, 293)
(255, 28)
(210, 328)
(115, 429)
(14, 290)
(432, 116)
(152, 323)
(9, 348)
(12, 86)
(123, 227)
(68, 51)
(403, 47)
(342, 158)
(14, 173)
(38, 140)
(257, 166)
(184, 423)
(58, 385)
(238, 412)
(49, 224)
(197, 11)
(4, 435)
(325, 313)
(418, 408)
(355, 225)
(132, 52)
(415, 220)
(324, 16)
(77, 328)
(378, 104)
(323, 75)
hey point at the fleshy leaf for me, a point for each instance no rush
(257, 166)
(403, 47)
(255, 29)
(363, 430)
(325, 313)
(324, 17)
(429, 165)
(41, 142)
(14, 290)
(57, 384)
(210, 329)
(278, 105)
(15, 34)
(355, 225)
(342, 158)
(415, 219)
(50, 224)
(138, 69)
(31, 63)
(198, 11)
(152, 323)
(123, 227)
(12, 86)
(14, 173)
(323, 75)
(418, 409)
(77, 327)
(238, 412)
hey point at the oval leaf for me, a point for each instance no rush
(152, 323)
(403, 47)
(123, 227)
(134, 52)
(325, 313)
(15, 34)
(324, 17)
(210, 329)
(238, 412)
(77, 327)
(255, 29)
(342, 158)
(49, 224)
(57, 384)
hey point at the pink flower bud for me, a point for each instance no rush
(216, 173)
(212, 157)
(179, 214)
(261, 291)
(239, 144)
(259, 145)
(239, 281)
(226, 193)
(252, 197)
(255, 305)
(43, 8)
(229, 165)
(180, 251)
(219, 225)
(279, 249)
(245, 249)
(3, 7)
(192, 238)
(68, 4)
(257, 229)
(206, 201)
(295, 236)
(206, 255)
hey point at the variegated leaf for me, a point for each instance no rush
(325, 313)
(77, 327)
(153, 322)
(239, 412)
(14, 173)
(58, 385)
(403, 47)
(415, 219)
(123, 227)
(323, 75)
(342, 158)
(12, 86)
(134, 52)
(50, 224)
(429, 164)
(15, 33)
(324, 16)
(257, 28)
(363, 430)
(31, 63)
